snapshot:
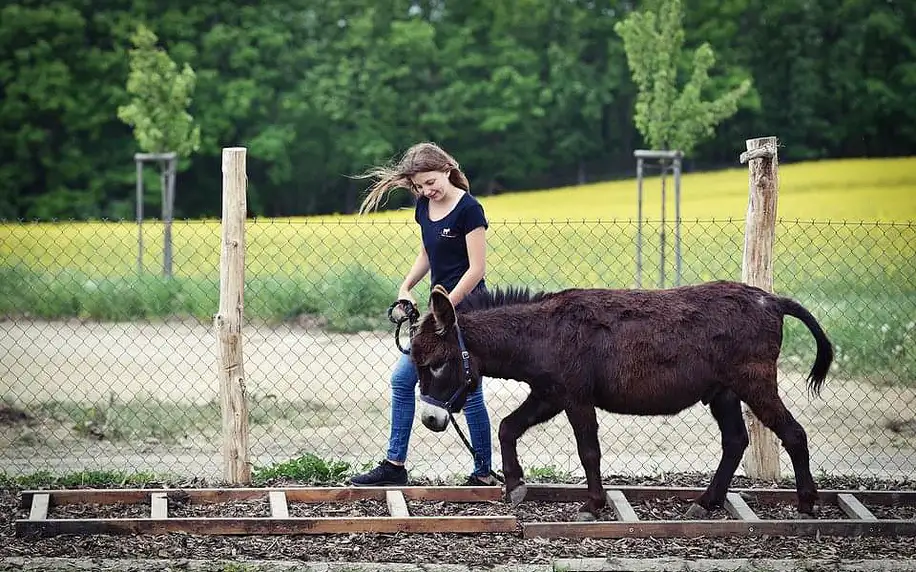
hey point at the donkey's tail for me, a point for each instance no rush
(824, 356)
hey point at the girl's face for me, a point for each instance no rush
(433, 185)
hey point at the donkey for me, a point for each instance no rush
(637, 352)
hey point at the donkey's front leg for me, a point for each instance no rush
(532, 411)
(585, 427)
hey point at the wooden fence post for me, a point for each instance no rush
(228, 321)
(762, 458)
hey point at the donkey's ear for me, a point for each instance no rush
(443, 311)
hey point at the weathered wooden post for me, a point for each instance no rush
(228, 321)
(762, 458)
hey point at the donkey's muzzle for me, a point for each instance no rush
(433, 418)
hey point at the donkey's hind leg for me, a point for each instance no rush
(726, 408)
(584, 422)
(769, 408)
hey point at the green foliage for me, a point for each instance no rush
(355, 300)
(667, 119)
(527, 94)
(46, 479)
(160, 96)
(308, 469)
(548, 474)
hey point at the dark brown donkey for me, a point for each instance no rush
(638, 352)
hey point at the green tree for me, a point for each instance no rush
(160, 97)
(59, 89)
(666, 118)
(158, 112)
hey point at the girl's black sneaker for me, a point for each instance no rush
(385, 474)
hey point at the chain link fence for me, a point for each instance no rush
(106, 364)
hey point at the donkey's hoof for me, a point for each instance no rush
(584, 516)
(697, 512)
(802, 513)
(518, 494)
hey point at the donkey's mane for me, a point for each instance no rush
(484, 299)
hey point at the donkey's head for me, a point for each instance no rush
(447, 371)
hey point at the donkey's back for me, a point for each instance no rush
(659, 351)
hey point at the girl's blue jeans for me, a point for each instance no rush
(403, 405)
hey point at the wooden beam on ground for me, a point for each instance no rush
(718, 528)
(246, 526)
(39, 508)
(278, 506)
(397, 504)
(853, 508)
(159, 505)
(293, 494)
(550, 492)
(739, 509)
(621, 506)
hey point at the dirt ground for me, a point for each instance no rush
(443, 551)
(342, 383)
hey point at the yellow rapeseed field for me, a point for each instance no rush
(583, 235)
(852, 190)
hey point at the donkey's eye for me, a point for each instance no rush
(438, 370)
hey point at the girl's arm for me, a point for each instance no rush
(476, 241)
(415, 274)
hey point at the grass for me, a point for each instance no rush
(309, 469)
(845, 246)
(144, 420)
(46, 479)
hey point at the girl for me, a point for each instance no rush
(453, 250)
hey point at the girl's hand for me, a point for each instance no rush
(406, 295)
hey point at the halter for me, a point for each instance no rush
(464, 388)
(409, 312)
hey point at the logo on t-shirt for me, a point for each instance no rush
(447, 233)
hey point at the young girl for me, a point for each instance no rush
(453, 250)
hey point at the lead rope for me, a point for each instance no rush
(470, 448)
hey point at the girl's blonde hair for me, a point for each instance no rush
(419, 158)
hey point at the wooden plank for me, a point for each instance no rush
(39, 508)
(736, 507)
(579, 493)
(293, 494)
(397, 505)
(159, 505)
(717, 528)
(243, 526)
(853, 508)
(621, 506)
(536, 492)
(278, 506)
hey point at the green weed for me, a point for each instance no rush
(308, 469)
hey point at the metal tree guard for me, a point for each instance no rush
(663, 157)
(168, 165)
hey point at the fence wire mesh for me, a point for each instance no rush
(108, 364)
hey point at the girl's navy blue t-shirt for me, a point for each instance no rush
(444, 239)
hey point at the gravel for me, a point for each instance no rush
(480, 550)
